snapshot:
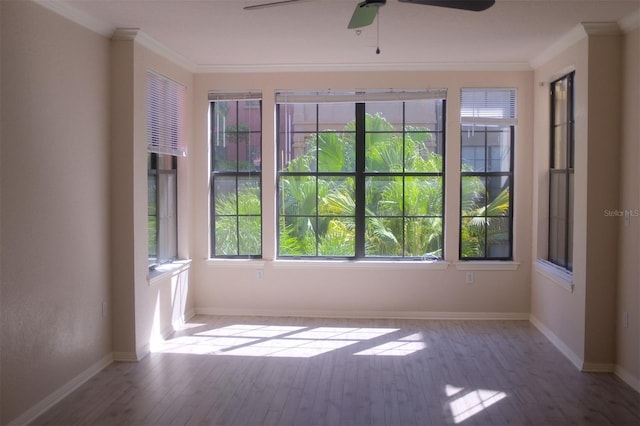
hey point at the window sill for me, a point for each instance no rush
(487, 265)
(555, 273)
(168, 269)
(437, 265)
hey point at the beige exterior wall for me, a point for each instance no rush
(361, 288)
(55, 205)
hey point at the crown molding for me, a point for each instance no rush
(630, 22)
(137, 35)
(344, 67)
(601, 28)
(65, 10)
(576, 34)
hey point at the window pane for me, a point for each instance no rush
(560, 147)
(249, 202)
(384, 152)
(422, 114)
(250, 235)
(297, 152)
(249, 115)
(384, 196)
(297, 236)
(423, 237)
(570, 223)
(560, 98)
(473, 148)
(337, 237)
(298, 195)
(226, 231)
(472, 237)
(152, 217)
(499, 150)
(336, 152)
(337, 197)
(336, 116)
(225, 200)
(383, 236)
(473, 195)
(498, 230)
(423, 196)
(557, 218)
(384, 117)
(167, 220)
(498, 188)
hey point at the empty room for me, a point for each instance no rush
(333, 212)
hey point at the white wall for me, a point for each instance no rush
(55, 207)
(360, 288)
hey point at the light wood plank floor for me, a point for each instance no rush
(301, 371)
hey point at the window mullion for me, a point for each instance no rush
(360, 181)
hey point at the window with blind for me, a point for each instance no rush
(361, 174)
(488, 119)
(166, 100)
(561, 170)
(236, 173)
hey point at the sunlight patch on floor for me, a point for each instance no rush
(283, 341)
(470, 403)
(401, 347)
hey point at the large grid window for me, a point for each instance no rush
(361, 175)
(236, 163)
(486, 206)
(166, 103)
(561, 182)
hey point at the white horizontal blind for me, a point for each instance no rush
(166, 101)
(375, 95)
(235, 96)
(488, 106)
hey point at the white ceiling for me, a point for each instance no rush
(312, 34)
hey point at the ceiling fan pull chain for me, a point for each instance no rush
(378, 33)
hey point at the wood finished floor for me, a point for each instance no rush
(301, 371)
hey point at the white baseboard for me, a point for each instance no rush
(140, 354)
(366, 314)
(630, 379)
(37, 410)
(596, 367)
(558, 343)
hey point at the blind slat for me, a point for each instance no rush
(480, 106)
(166, 100)
(235, 96)
(331, 96)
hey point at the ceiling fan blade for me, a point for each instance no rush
(365, 13)
(274, 3)
(473, 5)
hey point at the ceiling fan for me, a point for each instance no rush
(366, 11)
